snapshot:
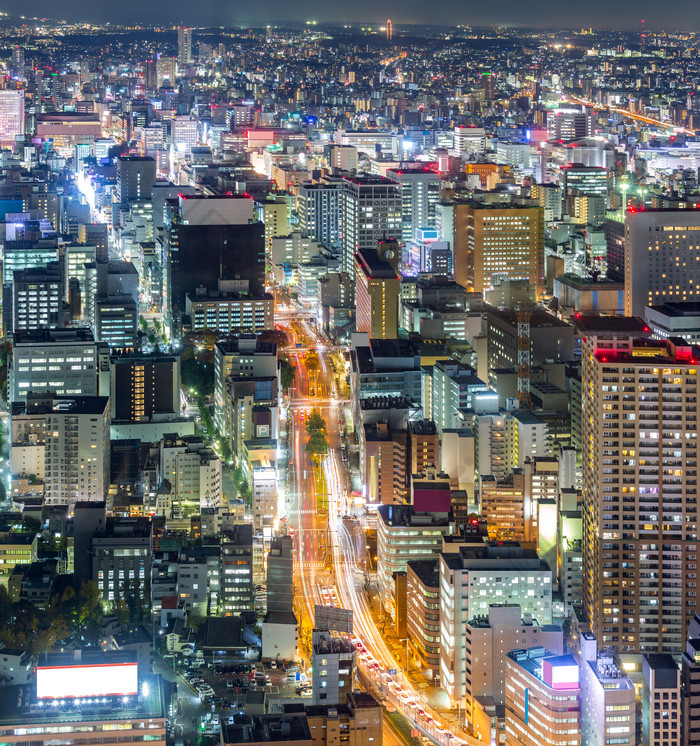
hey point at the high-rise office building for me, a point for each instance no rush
(498, 241)
(615, 245)
(404, 535)
(11, 116)
(207, 239)
(420, 192)
(383, 462)
(662, 258)
(23, 254)
(423, 614)
(376, 296)
(95, 234)
(166, 69)
(371, 209)
(239, 358)
(489, 637)
(184, 133)
(608, 709)
(237, 569)
(65, 361)
(150, 75)
(121, 558)
(640, 513)
(581, 185)
(136, 176)
(470, 577)
(184, 46)
(661, 700)
(17, 61)
(37, 299)
(274, 214)
(454, 387)
(570, 123)
(75, 257)
(543, 698)
(319, 211)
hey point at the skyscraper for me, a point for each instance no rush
(639, 489)
(17, 62)
(497, 241)
(389, 29)
(11, 116)
(135, 178)
(151, 74)
(420, 192)
(184, 46)
(661, 258)
(319, 211)
(371, 212)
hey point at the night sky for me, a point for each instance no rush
(681, 14)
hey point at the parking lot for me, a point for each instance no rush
(225, 686)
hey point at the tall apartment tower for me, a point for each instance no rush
(661, 258)
(11, 116)
(495, 242)
(77, 449)
(371, 212)
(184, 46)
(640, 513)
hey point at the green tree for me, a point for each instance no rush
(278, 336)
(195, 619)
(317, 445)
(224, 447)
(315, 423)
(287, 374)
(197, 375)
(121, 610)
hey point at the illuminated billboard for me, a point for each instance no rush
(560, 672)
(101, 680)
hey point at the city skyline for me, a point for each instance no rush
(644, 15)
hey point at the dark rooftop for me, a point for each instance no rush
(593, 323)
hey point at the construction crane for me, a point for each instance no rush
(524, 399)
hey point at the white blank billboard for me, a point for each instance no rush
(107, 680)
